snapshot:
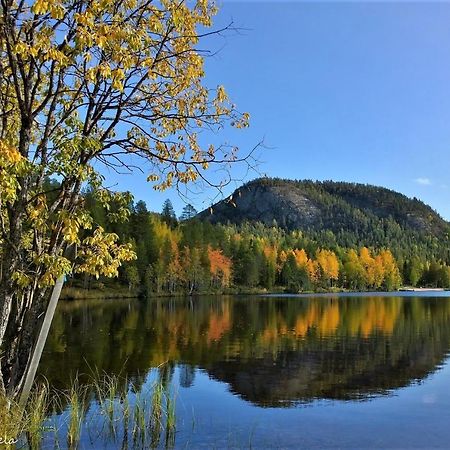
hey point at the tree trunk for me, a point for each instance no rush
(5, 311)
(10, 261)
(32, 367)
(22, 325)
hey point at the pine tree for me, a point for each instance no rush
(168, 214)
(189, 212)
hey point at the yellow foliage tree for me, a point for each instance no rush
(328, 264)
(85, 84)
(354, 270)
(378, 271)
(313, 270)
(392, 277)
(301, 258)
(368, 263)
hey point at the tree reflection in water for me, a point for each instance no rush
(270, 351)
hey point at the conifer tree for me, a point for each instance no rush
(168, 213)
(189, 212)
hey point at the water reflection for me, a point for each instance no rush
(270, 351)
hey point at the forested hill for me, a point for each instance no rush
(293, 236)
(338, 213)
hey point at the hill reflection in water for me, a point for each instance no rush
(270, 351)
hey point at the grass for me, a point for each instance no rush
(142, 418)
(37, 415)
(170, 419)
(139, 428)
(156, 414)
(76, 402)
(25, 425)
(13, 423)
(75, 293)
(137, 417)
(107, 390)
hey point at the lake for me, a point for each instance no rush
(329, 371)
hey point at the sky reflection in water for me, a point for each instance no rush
(278, 372)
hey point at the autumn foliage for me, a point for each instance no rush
(195, 257)
(85, 85)
(220, 267)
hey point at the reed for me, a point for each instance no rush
(36, 415)
(125, 418)
(170, 419)
(156, 414)
(107, 390)
(139, 428)
(12, 421)
(157, 402)
(144, 414)
(75, 398)
(125, 407)
(25, 426)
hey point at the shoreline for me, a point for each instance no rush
(70, 293)
(407, 289)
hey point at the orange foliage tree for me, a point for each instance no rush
(220, 267)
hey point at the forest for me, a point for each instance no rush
(188, 255)
(340, 214)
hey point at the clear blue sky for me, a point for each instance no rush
(343, 91)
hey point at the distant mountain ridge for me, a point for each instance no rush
(345, 214)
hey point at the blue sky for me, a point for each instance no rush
(343, 91)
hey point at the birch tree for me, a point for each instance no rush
(85, 83)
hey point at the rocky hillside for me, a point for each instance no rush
(346, 213)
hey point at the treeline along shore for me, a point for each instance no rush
(189, 255)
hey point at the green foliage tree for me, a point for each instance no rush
(413, 271)
(132, 276)
(292, 276)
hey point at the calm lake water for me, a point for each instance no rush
(360, 371)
